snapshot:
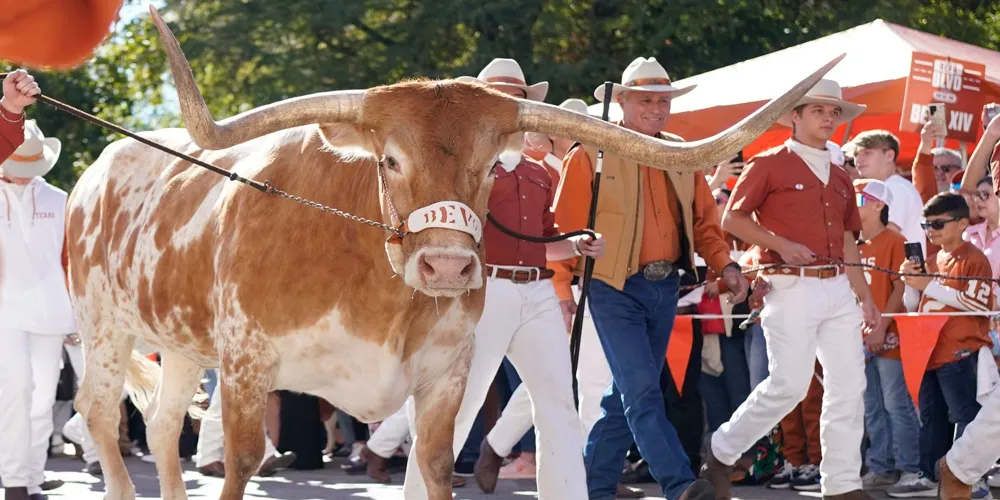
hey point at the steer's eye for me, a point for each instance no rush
(390, 163)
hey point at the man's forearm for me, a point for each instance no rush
(978, 166)
(855, 274)
(741, 225)
(559, 250)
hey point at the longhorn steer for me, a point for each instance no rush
(283, 296)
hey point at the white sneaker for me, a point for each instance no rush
(981, 491)
(875, 481)
(913, 485)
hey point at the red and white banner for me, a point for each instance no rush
(955, 83)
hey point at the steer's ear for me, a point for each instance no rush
(354, 140)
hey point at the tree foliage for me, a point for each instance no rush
(246, 53)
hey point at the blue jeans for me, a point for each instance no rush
(725, 393)
(947, 402)
(891, 419)
(756, 349)
(634, 327)
(527, 443)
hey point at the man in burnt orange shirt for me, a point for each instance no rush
(654, 222)
(798, 209)
(19, 90)
(890, 417)
(949, 388)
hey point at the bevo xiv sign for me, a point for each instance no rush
(939, 79)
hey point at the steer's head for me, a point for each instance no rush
(437, 144)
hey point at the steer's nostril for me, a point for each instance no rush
(467, 270)
(424, 267)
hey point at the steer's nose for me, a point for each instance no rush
(446, 270)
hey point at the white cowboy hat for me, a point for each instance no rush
(35, 157)
(574, 104)
(507, 73)
(644, 75)
(827, 92)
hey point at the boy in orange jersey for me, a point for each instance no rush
(948, 391)
(890, 417)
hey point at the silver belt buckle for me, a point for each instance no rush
(659, 270)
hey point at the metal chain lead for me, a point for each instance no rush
(332, 210)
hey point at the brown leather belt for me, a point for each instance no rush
(519, 276)
(822, 273)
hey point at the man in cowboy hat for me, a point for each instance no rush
(19, 89)
(522, 319)
(654, 222)
(35, 311)
(799, 210)
(550, 150)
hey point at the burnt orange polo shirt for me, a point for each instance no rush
(787, 199)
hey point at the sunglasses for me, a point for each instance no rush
(936, 225)
(946, 168)
(983, 195)
(863, 199)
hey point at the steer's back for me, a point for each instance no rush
(141, 227)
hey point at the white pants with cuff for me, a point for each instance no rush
(29, 375)
(523, 322)
(211, 441)
(804, 318)
(391, 433)
(593, 377)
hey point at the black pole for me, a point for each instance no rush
(588, 267)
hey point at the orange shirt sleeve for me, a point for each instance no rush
(11, 134)
(709, 240)
(572, 207)
(923, 176)
(61, 34)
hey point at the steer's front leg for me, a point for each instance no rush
(432, 417)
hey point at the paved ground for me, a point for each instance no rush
(330, 483)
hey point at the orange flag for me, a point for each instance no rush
(679, 350)
(60, 34)
(917, 337)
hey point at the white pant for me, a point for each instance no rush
(593, 377)
(803, 318)
(525, 323)
(29, 374)
(211, 442)
(973, 454)
(391, 433)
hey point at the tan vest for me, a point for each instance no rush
(620, 214)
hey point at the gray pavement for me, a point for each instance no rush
(330, 483)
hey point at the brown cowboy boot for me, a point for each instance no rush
(487, 467)
(214, 469)
(700, 489)
(949, 486)
(375, 466)
(629, 492)
(719, 475)
(851, 495)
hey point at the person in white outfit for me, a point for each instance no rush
(799, 210)
(522, 318)
(35, 310)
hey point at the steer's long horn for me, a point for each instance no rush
(323, 107)
(664, 155)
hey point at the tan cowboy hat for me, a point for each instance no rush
(827, 92)
(35, 157)
(507, 73)
(644, 75)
